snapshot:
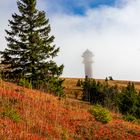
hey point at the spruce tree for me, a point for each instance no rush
(30, 49)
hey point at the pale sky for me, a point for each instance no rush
(108, 28)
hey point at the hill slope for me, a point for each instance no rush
(29, 114)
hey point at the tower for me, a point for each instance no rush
(87, 60)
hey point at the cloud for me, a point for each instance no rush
(111, 33)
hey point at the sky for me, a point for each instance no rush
(108, 28)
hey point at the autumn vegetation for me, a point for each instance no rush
(32, 114)
(36, 104)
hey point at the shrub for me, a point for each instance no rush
(137, 113)
(24, 82)
(127, 100)
(129, 118)
(12, 114)
(101, 114)
(110, 78)
(54, 85)
(78, 84)
(106, 79)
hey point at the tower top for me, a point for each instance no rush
(87, 57)
(87, 53)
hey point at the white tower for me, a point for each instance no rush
(87, 60)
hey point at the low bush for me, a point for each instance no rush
(101, 114)
(129, 118)
(24, 82)
(79, 83)
(127, 100)
(11, 113)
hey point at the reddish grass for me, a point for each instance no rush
(45, 117)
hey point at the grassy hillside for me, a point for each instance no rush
(27, 114)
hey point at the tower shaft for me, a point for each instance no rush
(87, 60)
(88, 70)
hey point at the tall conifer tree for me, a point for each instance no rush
(30, 50)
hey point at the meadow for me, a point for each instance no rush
(27, 114)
